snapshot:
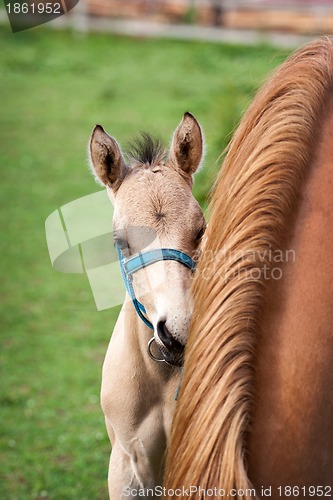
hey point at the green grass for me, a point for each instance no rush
(54, 88)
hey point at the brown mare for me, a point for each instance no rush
(154, 209)
(256, 402)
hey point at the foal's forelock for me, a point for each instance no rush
(146, 150)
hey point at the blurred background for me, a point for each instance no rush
(55, 85)
(302, 16)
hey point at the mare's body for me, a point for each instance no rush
(256, 404)
(291, 439)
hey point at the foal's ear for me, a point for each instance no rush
(106, 160)
(187, 144)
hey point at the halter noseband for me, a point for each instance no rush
(144, 259)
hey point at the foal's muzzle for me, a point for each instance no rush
(159, 354)
(142, 260)
(172, 350)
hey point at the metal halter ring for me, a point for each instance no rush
(151, 355)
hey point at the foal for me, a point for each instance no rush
(157, 228)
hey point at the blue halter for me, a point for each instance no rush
(144, 259)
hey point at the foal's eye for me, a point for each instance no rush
(200, 234)
(122, 244)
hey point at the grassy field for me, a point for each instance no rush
(54, 88)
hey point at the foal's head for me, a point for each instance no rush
(154, 208)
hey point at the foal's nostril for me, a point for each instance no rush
(164, 334)
(166, 337)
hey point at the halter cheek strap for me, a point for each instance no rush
(144, 259)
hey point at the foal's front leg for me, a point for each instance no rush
(132, 400)
(131, 467)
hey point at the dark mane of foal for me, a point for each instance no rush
(146, 149)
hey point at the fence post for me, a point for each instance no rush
(80, 18)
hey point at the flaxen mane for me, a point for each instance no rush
(255, 196)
